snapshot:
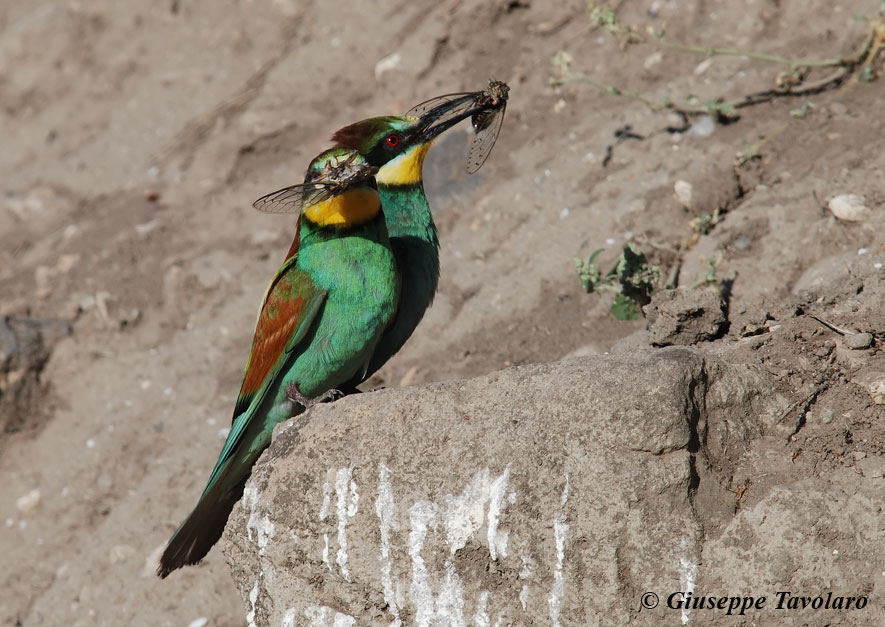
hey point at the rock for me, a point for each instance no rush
(849, 207)
(684, 316)
(25, 346)
(547, 494)
(859, 341)
(387, 64)
(683, 191)
(28, 503)
(809, 538)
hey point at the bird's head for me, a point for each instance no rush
(397, 145)
(341, 189)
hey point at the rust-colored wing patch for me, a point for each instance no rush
(290, 306)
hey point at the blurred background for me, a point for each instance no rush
(135, 137)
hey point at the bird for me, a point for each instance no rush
(413, 234)
(321, 319)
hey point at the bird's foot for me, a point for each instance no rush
(295, 396)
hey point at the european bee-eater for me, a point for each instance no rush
(322, 316)
(413, 234)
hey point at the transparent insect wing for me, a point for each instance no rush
(291, 199)
(428, 105)
(486, 124)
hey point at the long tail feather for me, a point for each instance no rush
(203, 527)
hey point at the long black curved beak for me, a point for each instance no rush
(444, 116)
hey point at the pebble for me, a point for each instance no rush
(826, 415)
(683, 191)
(653, 59)
(703, 66)
(29, 502)
(877, 391)
(202, 621)
(859, 341)
(388, 63)
(704, 127)
(849, 207)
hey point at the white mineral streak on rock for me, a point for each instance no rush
(289, 618)
(348, 499)
(497, 539)
(327, 498)
(386, 511)
(261, 525)
(481, 616)
(560, 529)
(450, 602)
(326, 552)
(688, 574)
(466, 511)
(525, 574)
(460, 516)
(322, 616)
(421, 514)
(253, 598)
(324, 513)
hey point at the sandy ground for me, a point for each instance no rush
(135, 138)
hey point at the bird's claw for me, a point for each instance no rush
(295, 396)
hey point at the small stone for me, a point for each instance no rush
(146, 227)
(858, 455)
(683, 191)
(859, 341)
(388, 63)
(202, 621)
(849, 207)
(704, 127)
(653, 59)
(29, 502)
(703, 66)
(684, 317)
(826, 415)
(877, 391)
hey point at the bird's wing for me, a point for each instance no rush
(290, 306)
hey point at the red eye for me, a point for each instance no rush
(392, 140)
(314, 176)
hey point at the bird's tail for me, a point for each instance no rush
(203, 527)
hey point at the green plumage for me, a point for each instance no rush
(323, 316)
(415, 245)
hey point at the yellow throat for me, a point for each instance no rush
(406, 168)
(353, 207)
